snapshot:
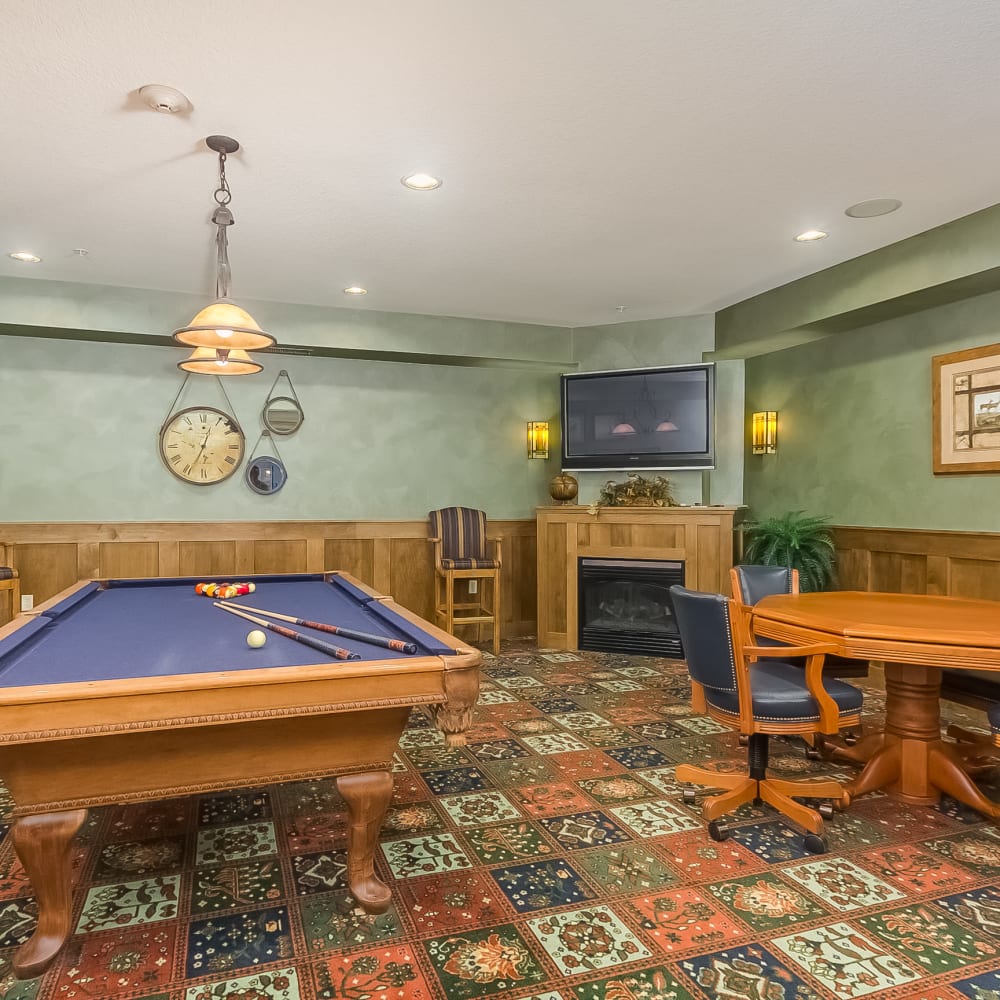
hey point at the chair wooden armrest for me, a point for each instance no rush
(815, 654)
(496, 549)
(829, 713)
(436, 542)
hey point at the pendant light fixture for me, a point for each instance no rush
(222, 332)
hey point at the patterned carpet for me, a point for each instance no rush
(552, 858)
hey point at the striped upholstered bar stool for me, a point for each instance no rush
(9, 579)
(460, 553)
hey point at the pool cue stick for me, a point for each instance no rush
(337, 652)
(347, 633)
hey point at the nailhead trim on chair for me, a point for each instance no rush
(844, 712)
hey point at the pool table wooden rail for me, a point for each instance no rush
(44, 712)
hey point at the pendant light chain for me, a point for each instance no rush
(223, 218)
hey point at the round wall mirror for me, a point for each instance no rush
(282, 415)
(266, 474)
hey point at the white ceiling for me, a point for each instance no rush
(654, 153)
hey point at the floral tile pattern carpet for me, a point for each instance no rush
(552, 858)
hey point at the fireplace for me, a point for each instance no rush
(625, 606)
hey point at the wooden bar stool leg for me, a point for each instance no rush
(496, 614)
(449, 603)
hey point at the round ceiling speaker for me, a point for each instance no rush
(165, 100)
(874, 206)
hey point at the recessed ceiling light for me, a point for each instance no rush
(420, 182)
(355, 290)
(24, 256)
(621, 309)
(811, 235)
(874, 206)
(80, 251)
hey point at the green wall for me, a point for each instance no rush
(854, 436)
(380, 440)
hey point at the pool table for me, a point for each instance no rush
(122, 691)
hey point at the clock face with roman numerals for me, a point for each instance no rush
(202, 445)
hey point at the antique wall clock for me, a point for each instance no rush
(202, 445)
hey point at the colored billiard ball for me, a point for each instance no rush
(256, 638)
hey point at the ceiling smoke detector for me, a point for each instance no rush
(165, 100)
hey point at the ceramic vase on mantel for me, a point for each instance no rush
(563, 488)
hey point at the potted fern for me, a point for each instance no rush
(796, 540)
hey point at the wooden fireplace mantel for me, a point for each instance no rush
(703, 537)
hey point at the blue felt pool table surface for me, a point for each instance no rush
(117, 629)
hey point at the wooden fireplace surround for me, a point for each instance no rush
(702, 537)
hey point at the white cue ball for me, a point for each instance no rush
(256, 638)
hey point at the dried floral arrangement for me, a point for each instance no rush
(637, 491)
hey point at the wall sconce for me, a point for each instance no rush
(538, 439)
(764, 432)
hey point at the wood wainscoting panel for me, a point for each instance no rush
(411, 575)
(45, 569)
(353, 555)
(211, 560)
(285, 556)
(912, 561)
(898, 573)
(975, 578)
(519, 583)
(119, 559)
(391, 556)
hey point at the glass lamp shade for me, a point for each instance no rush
(209, 361)
(666, 425)
(538, 439)
(223, 324)
(623, 428)
(764, 432)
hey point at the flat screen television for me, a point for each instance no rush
(645, 418)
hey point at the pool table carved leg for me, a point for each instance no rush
(454, 717)
(367, 796)
(43, 844)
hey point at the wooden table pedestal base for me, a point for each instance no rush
(909, 759)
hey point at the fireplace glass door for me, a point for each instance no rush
(625, 606)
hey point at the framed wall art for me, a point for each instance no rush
(966, 411)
